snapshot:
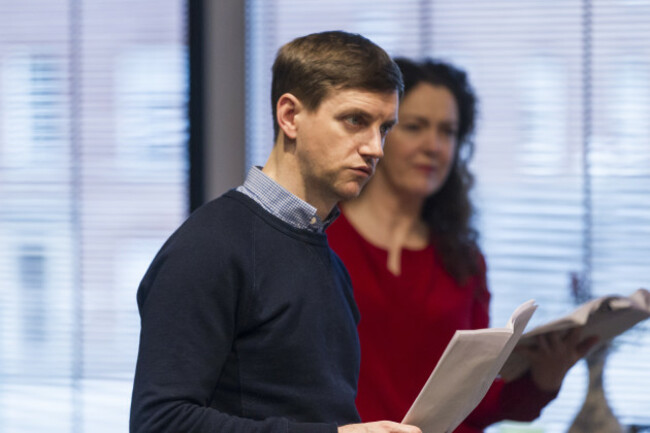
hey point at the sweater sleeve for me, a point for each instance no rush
(190, 302)
(519, 400)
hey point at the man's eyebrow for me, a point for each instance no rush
(357, 112)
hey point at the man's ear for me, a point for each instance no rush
(286, 109)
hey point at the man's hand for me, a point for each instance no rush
(379, 427)
(553, 356)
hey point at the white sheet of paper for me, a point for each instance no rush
(465, 372)
(605, 317)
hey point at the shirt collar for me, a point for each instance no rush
(278, 201)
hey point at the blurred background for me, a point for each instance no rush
(117, 117)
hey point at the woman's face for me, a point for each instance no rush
(419, 151)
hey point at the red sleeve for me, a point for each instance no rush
(519, 400)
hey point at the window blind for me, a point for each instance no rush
(562, 152)
(93, 178)
(619, 163)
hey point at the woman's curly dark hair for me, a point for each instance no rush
(449, 211)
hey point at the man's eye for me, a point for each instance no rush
(355, 120)
(385, 129)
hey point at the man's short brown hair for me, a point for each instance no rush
(309, 67)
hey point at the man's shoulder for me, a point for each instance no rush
(235, 216)
(220, 220)
(232, 207)
(231, 200)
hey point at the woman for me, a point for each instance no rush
(418, 275)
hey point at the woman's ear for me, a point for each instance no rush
(286, 109)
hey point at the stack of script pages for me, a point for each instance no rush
(474, 358)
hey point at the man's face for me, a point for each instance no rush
(339, 143)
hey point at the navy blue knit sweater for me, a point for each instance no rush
(248, 325)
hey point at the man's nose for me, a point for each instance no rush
(374, 147)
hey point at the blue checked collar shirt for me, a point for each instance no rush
(282, 204)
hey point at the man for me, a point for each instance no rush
(248, 317)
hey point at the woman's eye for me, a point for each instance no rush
(449, 132)
(411, 127)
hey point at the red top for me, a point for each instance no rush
(406, 323)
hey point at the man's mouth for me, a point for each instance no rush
(364, 169)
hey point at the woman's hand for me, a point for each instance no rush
(554, 354)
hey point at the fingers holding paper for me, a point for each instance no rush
(379, 427)
(553, 354)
